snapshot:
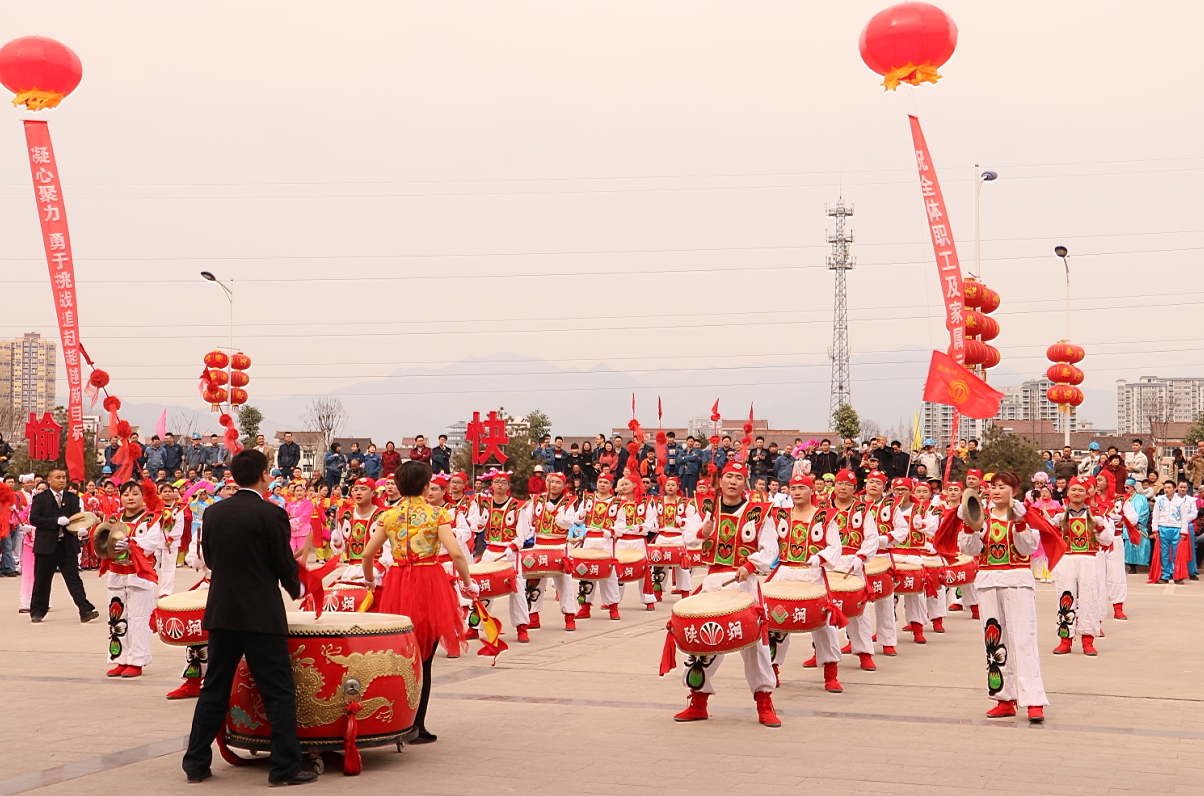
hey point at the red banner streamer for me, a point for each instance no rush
(53, 216)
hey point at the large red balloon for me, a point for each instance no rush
(907, 43)
(40, 71)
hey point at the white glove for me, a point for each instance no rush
(1018, 509)
(190, 559)
(82, 534)
(473, 590)
(815, 561)
(121, 545)
(64, 520)
(370, 581)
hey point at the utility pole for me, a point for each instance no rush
(840, 262)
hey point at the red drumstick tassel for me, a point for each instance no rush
(668, 654)
(352, 762)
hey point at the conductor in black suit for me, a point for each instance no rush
(55, 547)
(245, 542)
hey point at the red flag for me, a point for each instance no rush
(951, 384)
(715, 412)
(660, 413)
(633, 404)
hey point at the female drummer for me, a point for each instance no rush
(416, 585)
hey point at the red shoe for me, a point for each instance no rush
(1063, 646)
(867, 661)
(472, 634)
(523, 638)
(533, 623)
(660, 595)
(650, 607)
(830, 681)
(955, 607)
(847, 649)
(189, 690)
(1118, 611)
(1089, 645)
(890, 651)
(938, 625)
(570, 622)
(810, 663)
(1036, 714)
(614, 610)
(917, 633)
(583, 611)
(132, 671)
(777, 679)
(765, 713)
(116, 671)
(1002, 709)
(874, 637)
(974, 612)
(696, 710)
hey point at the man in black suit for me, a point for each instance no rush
(245, 542)
(54, 547)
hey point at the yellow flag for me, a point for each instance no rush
(916, 443)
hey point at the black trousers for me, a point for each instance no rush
(267, 657)
(44, 565)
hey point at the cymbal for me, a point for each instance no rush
(82, 521)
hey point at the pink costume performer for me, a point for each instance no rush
(300, 520)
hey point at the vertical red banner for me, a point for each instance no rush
(52, 214)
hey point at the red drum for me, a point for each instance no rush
(909, 578)
(716, 622)
(543, 562)
(494, 577)
(692, 557)
(795, 606)
(848, 593)
(632, 565)
(666, 555)
(338, 659)
(178, 618)
(962, 572)
(878, 581)
(345, 597)
(934, 573)
(588, 564)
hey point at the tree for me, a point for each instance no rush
(1003, 451)
(870, 429)
(538, 424)
(1196, 432)
(846, 422)
(327, 417)
(249, 419)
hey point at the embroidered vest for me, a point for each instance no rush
(502, 525)
(734, 537)
(999, 546)
(358, 532)
(669, 513)
(1079, 535)
(798, 540)
(916, 539)
(123, 564)
(600, 513)
(634, 515)
(849, 522)
(704, 504)
(547, 532)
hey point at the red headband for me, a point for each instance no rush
(368, 482)
(846, 477)
(461, 475)
(901, 482)
(877, 475)
(557, 476)
(802, 480)
(975, 473)
(1086, 482)
(606, 477)
(957, 484)
(735, 467)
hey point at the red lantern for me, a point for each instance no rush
(240, 361)
(239, 379)
(1065, 352)
(1061, 393)
(1077, 398)
(218, 377)
(1062, 373)
(979, 325)
(238, 396)
(215, 396)
(978, 353)
(972, 293)
(39, 71)
(990, 301)
(907, 43)
(217, 359)
(992, 358)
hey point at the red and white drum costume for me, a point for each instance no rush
(132, 591)
(669, 517)
(804, 548)
(937, 607)
(743, 536)
(461, 512)
(349, 537)
(551, 520)
(882, 513)
(632, 525)
(599, 516)
(507, 528)
(172, 525)
(1116, 584)
(858, 535)
(1081, 575)
(911, 538)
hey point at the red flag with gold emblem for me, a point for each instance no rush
(951, 384)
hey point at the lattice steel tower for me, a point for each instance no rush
(840, 262)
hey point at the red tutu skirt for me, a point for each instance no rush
(425, 594)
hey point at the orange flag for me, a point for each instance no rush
(950, 383)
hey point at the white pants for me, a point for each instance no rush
(825, 639)
(758, 668)
(1014, 610)
(165, 562)
(1082, 578)
(1118, 584)
(129, 623)
(885, 621)
(634, 544)
(938, 606)
(519, 615)
(609, 588)
(859, 630)
(915, 606)
(968, 597)
(565, 591)
(448, 567)
(683, 579)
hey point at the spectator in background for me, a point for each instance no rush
(355, 455)
(194, 454)
(1059, 490)
(558, 455)
(441, 456)
(173, 454)
(572, 458)
(758, 459)
(1092, 463)
(390, 460)
(1136, 462)
(372, 462)
(609, 460)
(111, 451)
(269, 453)
(334, 464)
(691, 466)
(1047, 463)
(928, 456)
(536, 485)
(621, 451)
(849, 458)
(420, 452)
(783, 466)
(215, 457)
(155, 457)
(6, 453)
(355, 470)
(1195, 467)
(140, 463)
(288, 458)
(1066, 467)
(543, 452)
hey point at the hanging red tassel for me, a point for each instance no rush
(352, 762)
(836, 617)
(668, 654)
(930, 584)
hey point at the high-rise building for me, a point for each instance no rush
(27, 375)
(1151, 399)
(1025, 401)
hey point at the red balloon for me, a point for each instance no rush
(217, 359)
(40, 71)
(907, 43)
(238, 396)
(1063, 373)
(240, 361)
(1065, 352)
(239, 379)
(979, 325)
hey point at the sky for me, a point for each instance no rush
(626, 187)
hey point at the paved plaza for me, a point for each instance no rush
(584, 712)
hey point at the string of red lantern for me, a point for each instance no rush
(1064, 375)
(979, 302)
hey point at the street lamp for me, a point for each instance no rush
(1062, 252)
(209, 277)
(979, 179)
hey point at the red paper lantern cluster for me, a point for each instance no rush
(215, 377)
(907, 43)
(980, 301)
(40, 71)
(1064, 375)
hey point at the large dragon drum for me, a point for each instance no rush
(339, 660)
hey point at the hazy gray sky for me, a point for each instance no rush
(634, 184)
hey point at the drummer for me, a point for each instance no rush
(669, 513)
(910, 539)
(599, 510)
(633, 523)
(859, 543)
(551, 516)
(436, 495)
(808, 542)
(878, 507)
(934, 606)
(132, 579)
(965, 595)
(173, 531)
(739, 539)
(354, 527)
(507, 529)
